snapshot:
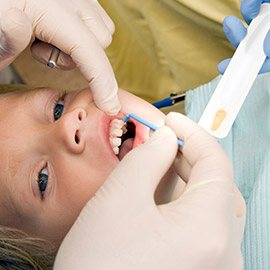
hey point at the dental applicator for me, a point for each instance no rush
(238, 78)
(148, 124)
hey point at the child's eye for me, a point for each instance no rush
(43, 177)
(58, 109)
(59, 105)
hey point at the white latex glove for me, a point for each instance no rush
(79, 28)
(123, 228)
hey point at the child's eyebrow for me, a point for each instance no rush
(41, 99)
(36, 93)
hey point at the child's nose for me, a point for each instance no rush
(70, 130)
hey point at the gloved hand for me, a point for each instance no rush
(236, 31)
(79, 28)
(123, 228)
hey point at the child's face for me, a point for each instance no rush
(49, 169)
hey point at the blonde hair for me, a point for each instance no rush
(9, 88)
(19, 251)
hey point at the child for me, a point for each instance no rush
(57, 149)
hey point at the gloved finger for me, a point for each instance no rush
(266, 66)
(106, 19)
(222, 66)
(95, 23)
(74, 38)
(41, 52)
(15, 35)
(182, 167)
(234, 30)
(141, 170)
(202, 152)
(251, 8)
(266, 44)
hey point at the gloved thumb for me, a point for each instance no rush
(222, 66)
(201, 151)
(210, 177)
(16, 32)
(141, 170)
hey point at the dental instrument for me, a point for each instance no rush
(52, 62)
(229, 96)
(169, 101)
(148, 124)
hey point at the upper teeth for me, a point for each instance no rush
(117, 129)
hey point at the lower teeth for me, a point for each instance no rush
(116, 150)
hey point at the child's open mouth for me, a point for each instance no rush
(126, 136)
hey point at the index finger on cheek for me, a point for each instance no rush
(74, 38)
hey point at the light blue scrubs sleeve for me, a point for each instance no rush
(248, 146)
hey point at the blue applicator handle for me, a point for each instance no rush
(169, 101)
(166, 102)
(148, 124)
